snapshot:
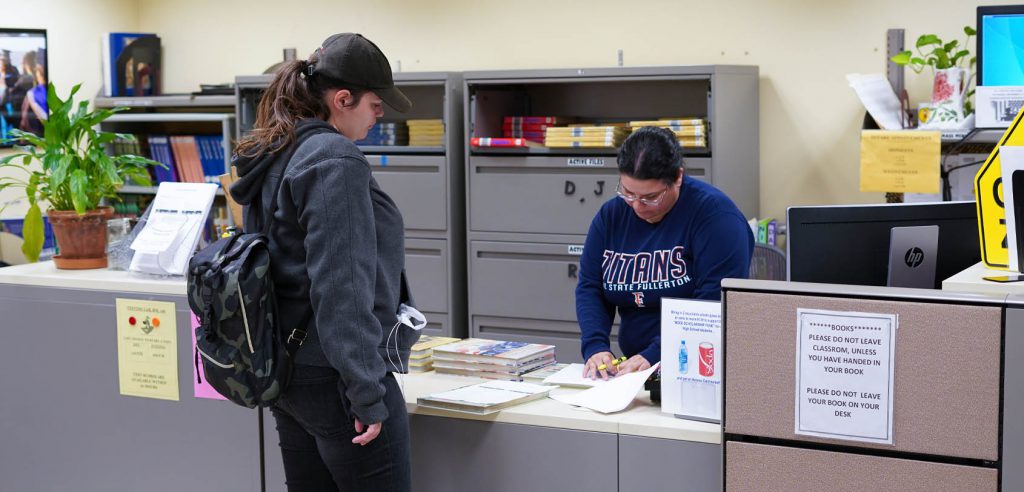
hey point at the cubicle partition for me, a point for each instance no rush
(950, 392)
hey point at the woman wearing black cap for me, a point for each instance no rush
(337, 250)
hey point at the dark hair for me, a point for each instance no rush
(651, 153)
(292, 95)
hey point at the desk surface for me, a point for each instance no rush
(641, 419)
(970, 280)
(44, 274)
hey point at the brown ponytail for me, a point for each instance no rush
(288, 99)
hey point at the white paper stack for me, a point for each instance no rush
(172, 230)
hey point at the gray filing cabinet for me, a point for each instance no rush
(427, 183)
(529, 209)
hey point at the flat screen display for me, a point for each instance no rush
(1001, 46)
(24, 71)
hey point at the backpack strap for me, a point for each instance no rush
(298, 334)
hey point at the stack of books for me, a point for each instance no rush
(492, 359)
(396, 133)
(573, 136)
(426, 133)
(530, 128)
(539, 375)
(421, 355)
(485, 398)
(691, 132)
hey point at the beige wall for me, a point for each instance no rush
(809, 117)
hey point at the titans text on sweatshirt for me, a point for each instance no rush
(337, 248)
(629, 264)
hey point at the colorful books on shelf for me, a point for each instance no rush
(502, 142)
(530, 128)
(586, 136)
(189, 158)
(426, 132)
(492, 359)
(691, 132)
(421, 354)
(485, 398)
(389, 134)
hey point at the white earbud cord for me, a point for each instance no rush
(387, 347)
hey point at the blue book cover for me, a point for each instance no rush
(160, 150)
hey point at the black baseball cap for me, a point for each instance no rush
(354, 60)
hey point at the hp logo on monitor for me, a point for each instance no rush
(914, 257)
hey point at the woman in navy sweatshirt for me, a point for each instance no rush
(665, 235)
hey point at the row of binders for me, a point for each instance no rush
(188, 158)
(562, 132)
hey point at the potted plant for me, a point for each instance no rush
(951, 85)
(68, 169)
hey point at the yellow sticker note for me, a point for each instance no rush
(900, 161)
(147, 348)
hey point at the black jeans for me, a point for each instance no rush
(316, 430)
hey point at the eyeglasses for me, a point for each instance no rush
(630, 197)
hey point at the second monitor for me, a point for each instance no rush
(850, 244)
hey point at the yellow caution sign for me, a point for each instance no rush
(988, 192)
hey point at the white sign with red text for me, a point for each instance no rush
(691, 369)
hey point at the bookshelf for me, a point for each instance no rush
(200, 117)
(426, 182)
(529, 209)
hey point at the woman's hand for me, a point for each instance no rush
(636, 363)
(364, 438)
(593, 370)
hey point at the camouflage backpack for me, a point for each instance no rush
(245, 352)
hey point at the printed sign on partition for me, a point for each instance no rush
(147, 348)
(844, 375)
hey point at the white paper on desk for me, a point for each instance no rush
(173, 228)
(492, 393)
(572, 375)
(614, 396)
(878, 98)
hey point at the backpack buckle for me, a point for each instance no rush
(301, 338)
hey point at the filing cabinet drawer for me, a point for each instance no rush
(538, 194)
(528, 280)
(417, 185)
(426, 266)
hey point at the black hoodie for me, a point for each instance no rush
(337, 248)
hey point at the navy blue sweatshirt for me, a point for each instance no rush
(629, 264)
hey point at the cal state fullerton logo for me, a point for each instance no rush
(638, 297)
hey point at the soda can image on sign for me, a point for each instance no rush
(707, 359)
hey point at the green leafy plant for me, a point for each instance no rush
(933, 52)
(74, 171)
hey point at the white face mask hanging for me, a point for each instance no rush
(411, 317)
(408, 316)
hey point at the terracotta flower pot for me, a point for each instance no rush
(81, 239)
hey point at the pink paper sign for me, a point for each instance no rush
(201, 387)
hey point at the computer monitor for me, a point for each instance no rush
(23, 67)
(1000, 49)
(849, 244)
